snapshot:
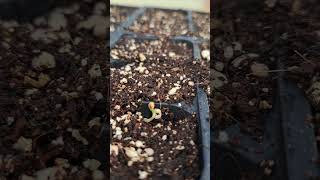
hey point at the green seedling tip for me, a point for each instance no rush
(156, 113)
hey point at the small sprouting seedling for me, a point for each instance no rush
(156, 113)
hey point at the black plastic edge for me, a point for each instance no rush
(190, 21)
(290, 137)
(202, 107)
(116, 35)
(298, 134)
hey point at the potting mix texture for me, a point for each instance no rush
(55, 74)
(158, 64)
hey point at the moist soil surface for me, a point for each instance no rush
(119, 15)
(246, 32)
(160, 78)
(157, 67)
(160, 71)
(172, 142)
(161, 22)
(53, 94)
(242, 85)
(201, 25)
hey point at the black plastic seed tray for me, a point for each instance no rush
(289, 139)
(200, 103)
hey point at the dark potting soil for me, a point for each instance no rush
(160, 71)
(202, 25)
(172, 142)
(55, 78)
(129, 49)
(258, 30)
(166, 74)
(302, 65)
(161, 22)
(301, 58)
(242, 94)
(118, 15)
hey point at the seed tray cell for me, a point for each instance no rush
(161, 22)
(118, 15)
(202, 25)
(288, 139)
(129, 48)
(198, 104)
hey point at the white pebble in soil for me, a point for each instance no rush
(98, 175)
(131, 152)
(58, 141)
(270, 3)
(264, 105)
(179, 147)
(84, 62)
(191, 83)
(219, 79)
(219, 66)
(114, 150)
(237, 46)
(91, 164)
(26, 177)
(57, 20)
(149, 151)
(97, 23)
(150, 159)
(127, 68)
(206, 54)
(10, 120)
(173, 91)
(143, 174)
(192, 142)
(77, 40)
(228, 52)
(117, 107)
(172, 54)
(223, 137)
(259, 69)
(44, 61)
(142, 57)
(94, 122)
(164, 137)
(118, 133)
(95, 71)
(98, 96)
(76, 134)
(23, 144)
(139, 143)
(314, 94)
